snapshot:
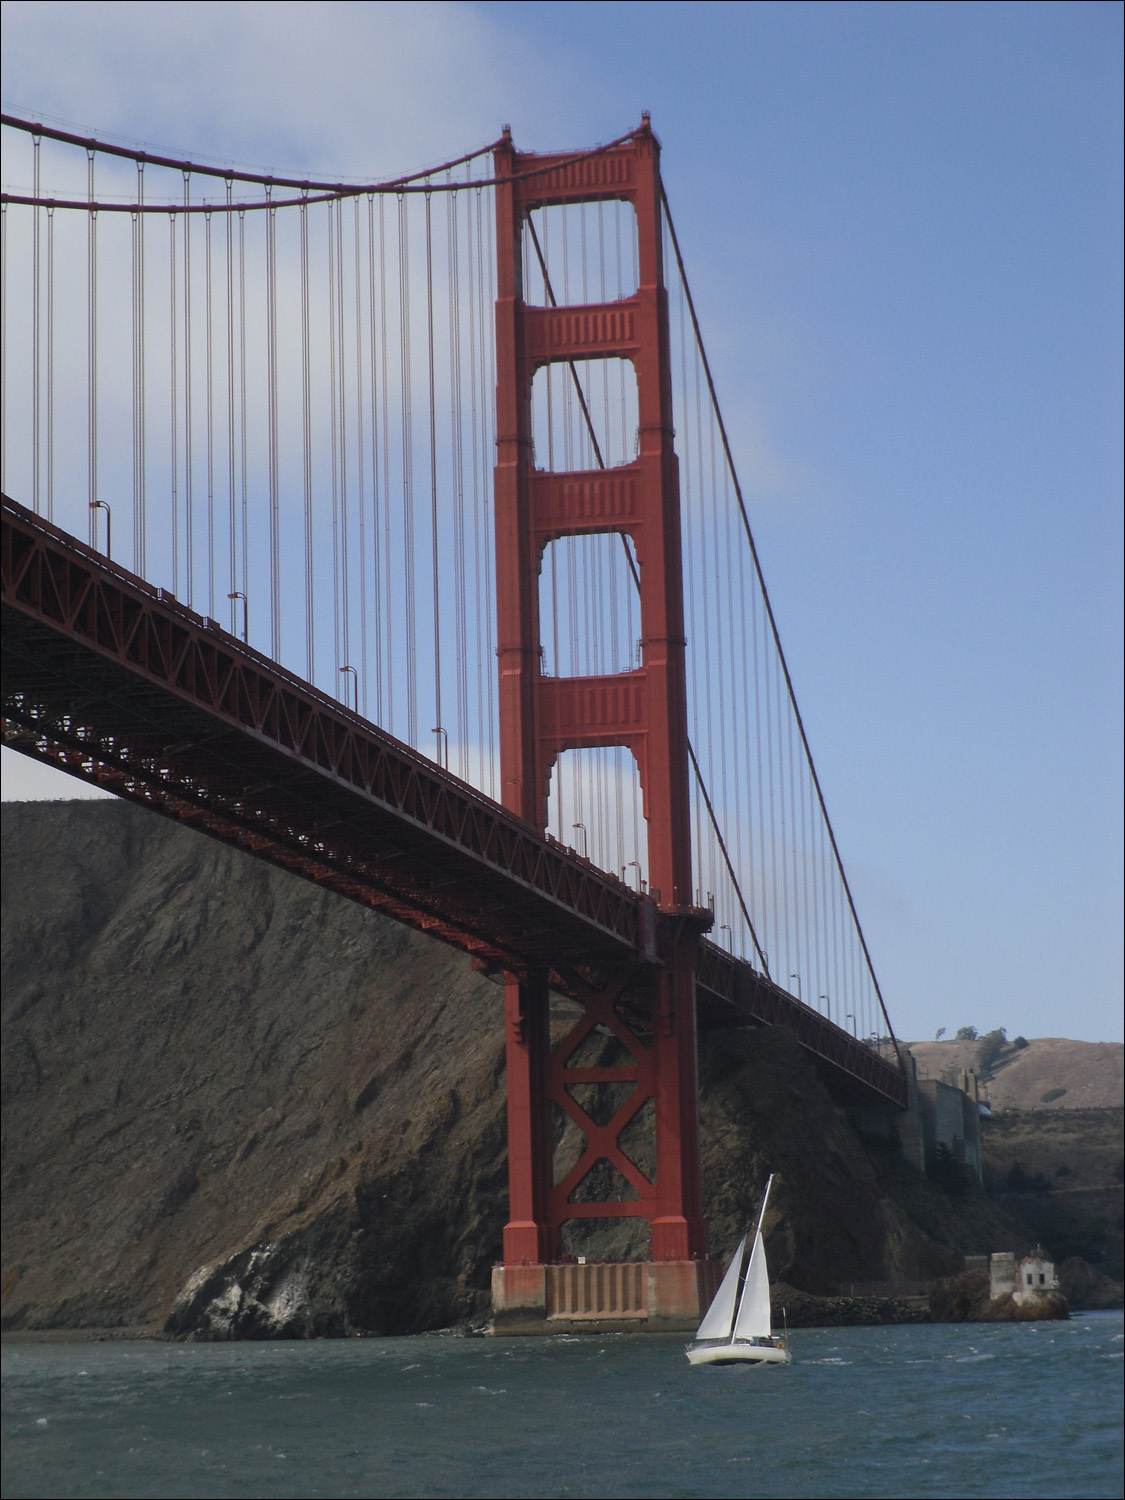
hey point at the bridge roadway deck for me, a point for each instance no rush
(122, 685)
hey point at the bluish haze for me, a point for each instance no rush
(902, 225)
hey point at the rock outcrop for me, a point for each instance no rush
(968, 1299)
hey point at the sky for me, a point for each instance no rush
(902, 223)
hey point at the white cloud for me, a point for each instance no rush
(362, 90)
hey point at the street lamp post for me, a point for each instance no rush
(238, 594)
(96, 505)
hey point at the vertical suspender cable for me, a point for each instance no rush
(271, 385)
(784, 739)
(385, 414)
(306, 452)
(189, 466)
(408, 470)
(772, 622)
(342, 417)
(36, 374)
(456, 397)
(232, 547)
(134, 370)
(477, 528)
(140, 504)
(333, 423)
(244, 581)
(209, 349)
(489, 351)
(361, 471)
(4, 347)
(174, 408)
(433, 473)
(50, 364)
(92, 347)
(375, 455)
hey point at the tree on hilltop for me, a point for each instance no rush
(991, 1046)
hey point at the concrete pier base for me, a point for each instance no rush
(663, 1296)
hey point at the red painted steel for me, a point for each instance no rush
(129, 688)
(118, 683)
(730, 992)
(644, 710)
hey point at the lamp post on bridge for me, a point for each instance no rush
(238, 594)
(96, 505)
(797, 977)
(355, 681)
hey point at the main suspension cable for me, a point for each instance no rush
(769, 612)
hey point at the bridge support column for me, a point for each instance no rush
(528, 1238)
(645, 1017)
(678, 1231)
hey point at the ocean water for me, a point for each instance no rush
(953, 1410)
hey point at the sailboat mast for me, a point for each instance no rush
(746, 1253)
(762, 1210)
(756, 1251)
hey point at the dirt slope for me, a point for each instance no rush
(1090, 1074)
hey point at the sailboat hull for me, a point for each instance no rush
(738, 1352)
(737, 1327)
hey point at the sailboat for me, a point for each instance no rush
(736, 1328)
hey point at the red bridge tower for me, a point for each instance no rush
(650, 1007)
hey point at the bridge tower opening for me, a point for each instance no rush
(645, 1011)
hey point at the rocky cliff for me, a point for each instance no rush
(243, 1106)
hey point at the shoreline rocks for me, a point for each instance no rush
(967, 1299)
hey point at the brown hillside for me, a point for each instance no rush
(231, 1091)
(1092, 1073)
(1057, 1173)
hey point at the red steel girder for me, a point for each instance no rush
(276, 771)
(97, 660)
(731, 991)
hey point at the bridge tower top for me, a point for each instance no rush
(643, 709)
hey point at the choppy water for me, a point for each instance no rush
(964, 1410)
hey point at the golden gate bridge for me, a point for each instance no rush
(392, 533)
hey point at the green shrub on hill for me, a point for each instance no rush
(991, 1046)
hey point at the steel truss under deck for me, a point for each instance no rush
(121, 685)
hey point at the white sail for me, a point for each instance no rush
(741, 1335)
(753, 1320)
(718, 1322)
